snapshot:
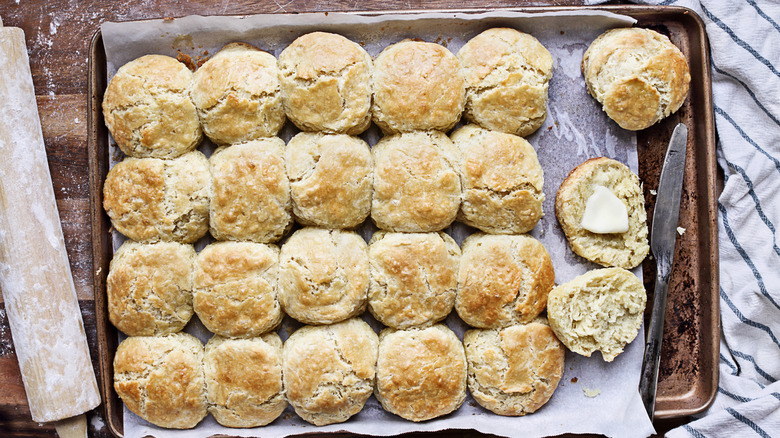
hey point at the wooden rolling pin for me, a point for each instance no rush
(35, 278)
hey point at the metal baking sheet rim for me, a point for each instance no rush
(666, 407)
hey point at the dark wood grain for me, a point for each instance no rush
(58, 33)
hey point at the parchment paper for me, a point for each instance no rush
(593, 396)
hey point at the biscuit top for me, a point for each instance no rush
(326, 83)
(417, 86)
(503, 280)
(507, 74)
(148, 110)
(161, 379)
(421, 373)
(416, 182)
(637, 74)
(237, 94)
(150, 199)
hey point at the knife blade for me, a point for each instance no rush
(663, 236)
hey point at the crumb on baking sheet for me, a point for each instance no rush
(591, 392)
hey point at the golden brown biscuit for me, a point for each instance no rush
(638, 76)
(599, 310)
(234, 288)
(160, 378)
(416, 182)
(323, 275)
(149, 288)
(330, 179)
(238, 95)
(244, 380)
(417, 86)
(151, 200)
(414, 278)
(326, 83)
(148, 109)
(420, 373)
(627, 249)
(502, 181)
(515, 370)
(329, 370)
(503, 280)
(507, 75)
(251, 192)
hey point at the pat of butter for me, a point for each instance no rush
(604, 213)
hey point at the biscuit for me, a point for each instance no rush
(149, 288)
(244, 386)
(160, 379)
(148, 109)
(599, 310)
(414, 278)
(417, 86)
(502, 181)
(329, 370)
(626, 250)
(515, 370)
(234, 288)
(416, 182)
(151, 200)
(502, 280)
(251, 192)
(420, 373)
(323, 275)
(326, 84)
(330, 179)
(637, 75)
(238, 95)
(507, 76)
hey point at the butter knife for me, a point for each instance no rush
(663, 236)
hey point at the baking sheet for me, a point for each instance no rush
(593, 397)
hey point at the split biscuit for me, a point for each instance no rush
(507, 75)
(503, 280)
(416, 182)
(638, 76)
(329, 370)
(418, 86)
(323, 275)
(330, 179)
(238, 95)
(244, 385)
(251, 192)
(234, 288)
(326, 84)
(151, 200)
(414, 278)
(599, 310)
(502, 181)
(148, 110)
(160, 378)
(626, 249)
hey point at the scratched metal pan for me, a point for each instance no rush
(689, 375)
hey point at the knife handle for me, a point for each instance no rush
(648, 382)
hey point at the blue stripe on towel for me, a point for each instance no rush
(739, 41)
(695, 433)
(744, 254)
(749, 91)
(728, 362)
(775, 395)
(748, 423)
(736, 397)
(746, 320)
(763, 14)
(752, 193)
(745, 137)
(750, 359)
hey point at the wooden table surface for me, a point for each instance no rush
(58, 33)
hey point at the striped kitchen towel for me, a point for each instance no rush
(745, 43)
